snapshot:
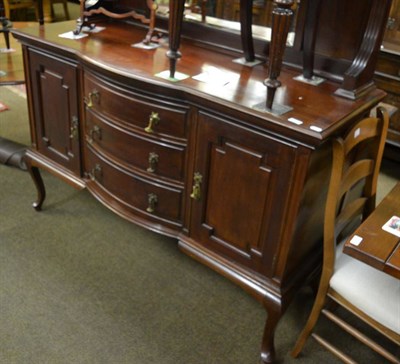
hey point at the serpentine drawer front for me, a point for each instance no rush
(128, 108)
(135, 193)
(134, 150)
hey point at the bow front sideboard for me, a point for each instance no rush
(242, 190)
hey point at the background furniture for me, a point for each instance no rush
(11, 5)
(11, 63)
(5, 24)
(379, 248)
(368, 293)
(64, 4)
(242, 190)
(387, 77)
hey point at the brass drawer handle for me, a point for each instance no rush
(96, 170)
(96, 130)
(153, 161)
(94, 95)
(154, 119)
(73, 131)
(196, 191)
(152, 199)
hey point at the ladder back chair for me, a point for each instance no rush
(10, 5)
(64, 4)
(371, 295)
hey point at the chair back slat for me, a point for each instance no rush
(351, 196)
(365, 129)
(357, 172)
(352, 213)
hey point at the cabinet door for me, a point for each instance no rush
(55, 109)
(238, 207)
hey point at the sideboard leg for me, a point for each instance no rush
(267, 346)
(37, 179)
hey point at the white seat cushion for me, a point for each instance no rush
(375, 293)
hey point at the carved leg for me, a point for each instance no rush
(267, 347)
(37, 179)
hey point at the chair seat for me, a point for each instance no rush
(353, 280)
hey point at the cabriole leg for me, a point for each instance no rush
(37, 179)
(267, 347)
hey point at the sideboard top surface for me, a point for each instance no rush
(321, 112)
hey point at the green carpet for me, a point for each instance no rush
(80, 285)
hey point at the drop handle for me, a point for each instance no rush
(73, 131)
(96, 130)
(153, 161)
(96, 170)
(152, 200)
(196, 190)
(94, 95)
(154, 119)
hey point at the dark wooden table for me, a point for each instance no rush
(378, 248)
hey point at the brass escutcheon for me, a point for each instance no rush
(73, 131)
(152, 200)
(153, 160)
(196, 191)
(95, 130)
(94, 172)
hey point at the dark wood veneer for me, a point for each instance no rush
(255, 215)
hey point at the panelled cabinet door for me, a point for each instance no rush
(55, 109)
(240, 192)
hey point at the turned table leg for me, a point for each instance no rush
(174, 29)
(37, 179)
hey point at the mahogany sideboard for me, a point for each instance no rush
(242, 190)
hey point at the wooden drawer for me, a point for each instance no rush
(143, 197)
(150, 155)
(128, 108)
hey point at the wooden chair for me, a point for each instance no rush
(10, 5)
(6, 25)
(366, 292)
(65, 7)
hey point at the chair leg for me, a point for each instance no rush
(7, 38)
(66, 12)
(319, 304)
(7, 10)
